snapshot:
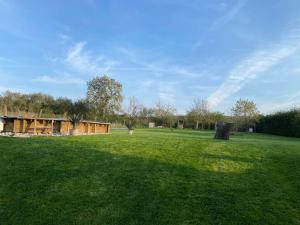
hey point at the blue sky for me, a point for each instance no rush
(168, 50)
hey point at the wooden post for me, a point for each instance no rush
(60, 127)
(44, 126)
(24, 126)
(34, 128)
(52, 127)
(68, 127)
(15, 124)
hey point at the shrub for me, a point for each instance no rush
(281, 123)
(75, 119)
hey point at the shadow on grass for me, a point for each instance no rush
(46, 181)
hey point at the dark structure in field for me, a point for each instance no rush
(223, 130)
(40, 126)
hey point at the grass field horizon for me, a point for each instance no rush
(156, 176)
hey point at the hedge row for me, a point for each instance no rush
(281, 123)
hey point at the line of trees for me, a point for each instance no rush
(103, 102)
(281, 123)
(199, 116)
(38, 104)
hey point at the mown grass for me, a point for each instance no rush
(153, 177)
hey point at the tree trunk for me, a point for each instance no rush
(41, 112)
(197, 125)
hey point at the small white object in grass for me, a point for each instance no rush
(151, 125)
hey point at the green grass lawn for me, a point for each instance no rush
(153, 177)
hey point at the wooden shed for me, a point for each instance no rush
(61, 126)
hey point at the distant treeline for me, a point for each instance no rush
(104, 102)
(43, 105)
(281, 123)
(39, 104)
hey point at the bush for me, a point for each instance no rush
(281, 123)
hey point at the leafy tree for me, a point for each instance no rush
(286, 123)
(245, 114)
(215, 117)
(62, 106)
(81, 107)
(39, 103)
(35, 103)
(14, 101)
(104, 96)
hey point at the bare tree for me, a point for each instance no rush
(165, 113)
(132, 113)
(199, 113)
(146, 115)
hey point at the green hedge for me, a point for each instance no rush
(281, 123)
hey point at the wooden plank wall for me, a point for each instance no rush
(33, 126)
(85, 128)
(42, 126)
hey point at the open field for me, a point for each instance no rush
(153, 177)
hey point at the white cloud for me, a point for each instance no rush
(64, 37)
(58, 80)
(84, 62)
(160, 66)
(250, 68)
